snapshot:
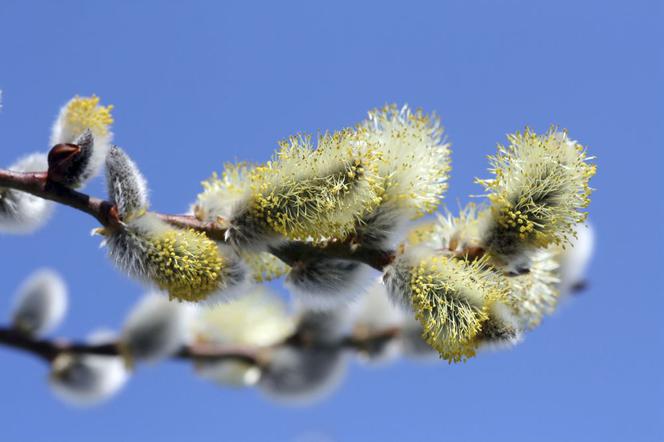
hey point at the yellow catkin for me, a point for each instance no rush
(452, 299)
(185, 263)
(221, 192)
(232, 179)
(314, 193)
(85, 113)
(541, 185)
(264, 266)
(413, 157)
(447, 232)
(328, 187)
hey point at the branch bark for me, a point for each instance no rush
(38, 184)
(47, 350)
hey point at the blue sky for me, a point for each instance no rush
(199, 83)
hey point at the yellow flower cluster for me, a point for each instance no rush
(414, 160)
(220, 193)
(316, 193)
(185, 263)
(541, 183)
(452, 299)
(531, 295)
(394, 163)
(85, 113)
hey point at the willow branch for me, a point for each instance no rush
(38, 184)
(48, 350)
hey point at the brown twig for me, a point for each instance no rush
(48, 350)
(38, 184)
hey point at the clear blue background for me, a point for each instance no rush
(199, 83)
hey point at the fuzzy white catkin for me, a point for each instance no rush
(127, 187)
(259, 319)
(385, 226)
(300, 376)
(502, 331)
(41, 303)
(327, 327)
(87, 380)
(574, 260)
(95, 142)
(375, 313)
(414, 164)
(327, 283)
(20, 212)
(229, 372)
(156, 328)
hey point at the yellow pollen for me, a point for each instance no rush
(86, 113)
